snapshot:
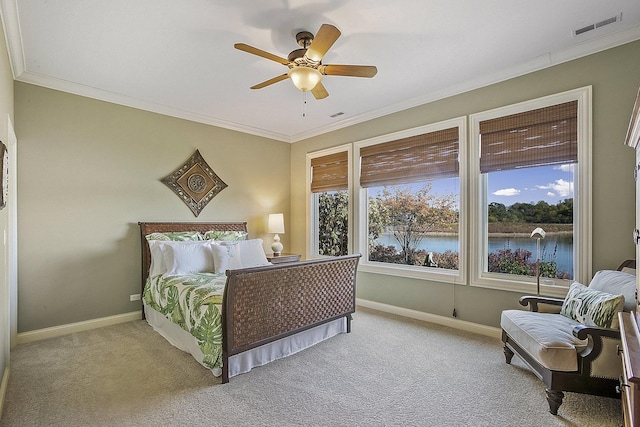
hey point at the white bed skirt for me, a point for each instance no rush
(244, 362)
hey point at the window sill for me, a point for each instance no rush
(548, 287)
(412, 272)
(558, 289)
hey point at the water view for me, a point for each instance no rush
(558, 248)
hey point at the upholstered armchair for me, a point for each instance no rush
(574, 350)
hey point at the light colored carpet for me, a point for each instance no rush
(390, 371)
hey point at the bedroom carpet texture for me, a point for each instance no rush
(390, 371)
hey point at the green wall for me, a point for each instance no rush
(90, 170)
(615, 77)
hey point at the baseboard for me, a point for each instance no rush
(475, 328)
(3, 388)
(56, 331)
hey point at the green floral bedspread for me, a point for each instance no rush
(193, 303)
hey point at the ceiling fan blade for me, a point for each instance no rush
(348, 70)
(319, 92)
(326, 37)
(271, 81)
(260, 52)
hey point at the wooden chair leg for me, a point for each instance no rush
(555, 400)
(508, 354)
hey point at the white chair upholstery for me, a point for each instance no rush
(566, 355)
(546, 337)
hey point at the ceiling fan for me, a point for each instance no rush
(305, 65)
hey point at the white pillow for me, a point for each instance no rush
(187, 257)
(225, 257)
(157, 267)
(251, 252)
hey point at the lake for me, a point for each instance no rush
(561, 245)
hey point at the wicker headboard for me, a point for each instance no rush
(166, 227)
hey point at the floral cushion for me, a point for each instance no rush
(176, 236)
(591, 307)
(225, 235)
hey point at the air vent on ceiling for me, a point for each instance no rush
(336, 114)
(597, 25)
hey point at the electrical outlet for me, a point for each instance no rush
(134, 297)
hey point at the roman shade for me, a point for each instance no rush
(432, 155)
(330, 172)
(540, 137)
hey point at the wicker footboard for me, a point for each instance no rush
(264, 304)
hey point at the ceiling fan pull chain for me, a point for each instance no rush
(304, 104)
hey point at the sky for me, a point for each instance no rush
(551, 184)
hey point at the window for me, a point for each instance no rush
(531, 168)
(410, 202)
(329, 173)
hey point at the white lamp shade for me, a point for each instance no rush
(276, 223)
(305, 78)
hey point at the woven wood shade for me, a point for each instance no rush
(416, 158)
(330, 173)
(545, 136)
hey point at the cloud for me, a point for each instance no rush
(565, 168)
(560, 187)
(507, 192)
(550, 194)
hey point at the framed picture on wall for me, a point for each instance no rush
(4, 171)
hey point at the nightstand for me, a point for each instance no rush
(283, 258)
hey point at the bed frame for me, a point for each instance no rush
(264, 304)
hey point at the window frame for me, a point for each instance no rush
(582, 236)
(361, 205)
(311, 205)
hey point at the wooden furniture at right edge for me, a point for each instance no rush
(630, 334)
(630, 380)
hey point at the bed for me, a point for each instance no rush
(242, 317)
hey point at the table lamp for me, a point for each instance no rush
(276, 225)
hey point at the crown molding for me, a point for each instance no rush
(10, 20)
(13, 36)
(550, 59)
(116, 98)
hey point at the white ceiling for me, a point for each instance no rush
(176, 57)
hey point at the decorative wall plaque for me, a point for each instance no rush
(195, 183)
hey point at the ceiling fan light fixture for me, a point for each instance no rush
(306, 69)
(305, 78)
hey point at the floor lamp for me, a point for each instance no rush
(538, 234)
